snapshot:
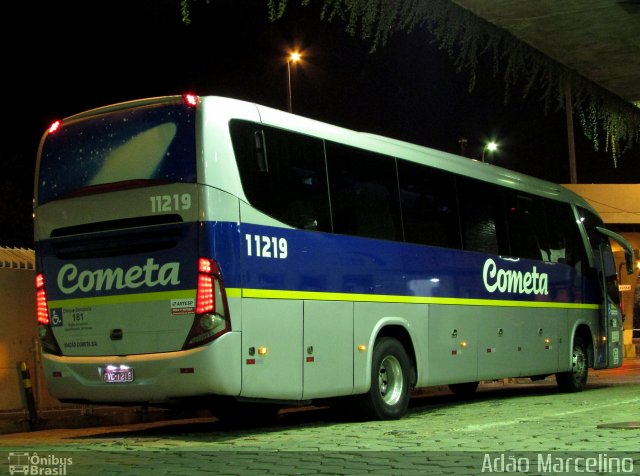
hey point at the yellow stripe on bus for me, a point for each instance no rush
(124, 298)
(326, 296)
(314, 296)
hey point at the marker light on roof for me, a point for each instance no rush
(54, 126)
(191, 99)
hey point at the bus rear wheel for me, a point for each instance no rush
(575, 379)
(392, 377)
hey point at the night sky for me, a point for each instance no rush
(70, 56)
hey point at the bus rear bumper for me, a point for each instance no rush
(214, 369)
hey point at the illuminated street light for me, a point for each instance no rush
(293, 58)
(491, 147)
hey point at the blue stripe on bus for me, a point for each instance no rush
(288, 263)
(346, 265)
(114, 263)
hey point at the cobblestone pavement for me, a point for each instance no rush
(530, 426)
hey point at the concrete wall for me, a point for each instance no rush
(17, 305)
(18, 340)
(616, 203)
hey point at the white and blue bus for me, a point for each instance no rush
(204, 249)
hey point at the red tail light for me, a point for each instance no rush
(205, 301)
(42, 308)
(212, 316)
(49, 343)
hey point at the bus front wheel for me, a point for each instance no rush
(576, 378)
(392, 377)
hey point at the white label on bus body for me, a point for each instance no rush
(266, 246)
(183, 306)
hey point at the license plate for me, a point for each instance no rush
(117, 374)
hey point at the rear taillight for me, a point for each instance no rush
(49, 343)
(206, 300)
(212, 316)
(42, 308)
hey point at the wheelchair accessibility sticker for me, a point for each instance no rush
(56, 317)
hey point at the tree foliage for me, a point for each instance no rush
(467, 37)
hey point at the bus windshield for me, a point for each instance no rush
(154, 143)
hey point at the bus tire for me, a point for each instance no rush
(575, 379)
(464, 389)
(392, 377)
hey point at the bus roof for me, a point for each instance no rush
(237, 109)
(421, 154)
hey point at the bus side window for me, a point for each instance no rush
(482, 217)
(364, 193)
(526, 225)
(565, 244)
(602, 253)
(429, 208)
(283, 174)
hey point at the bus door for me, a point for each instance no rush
(609, 344)
(608, 339)
(606, 351)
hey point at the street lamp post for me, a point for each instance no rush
(463, 146)
(293, 57)
(491, 147)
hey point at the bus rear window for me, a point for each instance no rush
(149, 144)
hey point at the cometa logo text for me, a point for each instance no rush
(512, 281)
(150, 274)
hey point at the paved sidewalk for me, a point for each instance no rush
(526, 423)
(89, 416)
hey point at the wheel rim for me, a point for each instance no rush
(390, 380)
(579, 363)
